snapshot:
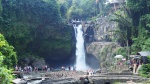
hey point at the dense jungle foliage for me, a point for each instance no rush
(35, 27)
(134, 29)
(133, 23)
(145, 70)
(8, 60)
(82, 9)
(39, 27)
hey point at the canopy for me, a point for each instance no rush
(144, 53)
(135, 56)
(118, 56)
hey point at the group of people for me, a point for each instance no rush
(89, 72)
(135, 65)
(30, 68)
(69, 68)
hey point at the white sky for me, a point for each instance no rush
(112, 1)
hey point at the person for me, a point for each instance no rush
(139, 66)
(81, 80)
(48, 69)
(63, 68)
(19, 68)
(107, 83)
(45, 68)
(86, 81)
(128, 62)
(91, 72)
(30, 68)
(69, 68)
(134, 66)
(35, 69)
(25, 69)
(16, 68)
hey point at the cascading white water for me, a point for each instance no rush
(80, 51)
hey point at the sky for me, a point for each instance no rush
(111, 1)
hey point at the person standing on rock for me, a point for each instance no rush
(69, 68)
(134, 66)
(63, 68)
(30, 68)
(86, 80)
(35, 69)
(48, 69)
(19, 68)
(16, 68)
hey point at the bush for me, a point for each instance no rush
(148, 59)
(5, 74)
(7, 51)
(7, 60)
(145, 70)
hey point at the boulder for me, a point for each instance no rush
(19, 81)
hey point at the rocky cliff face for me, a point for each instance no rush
(98, 41)
(103, 51)
(99, 30)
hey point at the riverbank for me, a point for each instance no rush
(79, 77)
(52, 77)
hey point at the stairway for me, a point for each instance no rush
(122, 77)
(124, 72)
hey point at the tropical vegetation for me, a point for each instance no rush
(133, 28)
(8, 60)
(39, 28)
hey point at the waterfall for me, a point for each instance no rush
(80, 49)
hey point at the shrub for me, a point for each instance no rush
(145, 70)
(5, 74)
(7, 60)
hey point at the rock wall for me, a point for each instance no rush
(99, 41)
(102, 29)
(104, 52)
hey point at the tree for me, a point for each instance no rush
(5, 74)
(124, 33)
(10, 58)
(29, 25)
(142, 42)
(63, 7)
(83, 9)
(137, 9)
(7, 61)
(140, 18)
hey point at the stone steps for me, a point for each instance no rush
(116, 79)
(101, 79)
(125, 73)
(122, 77)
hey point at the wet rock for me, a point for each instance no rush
(47, 81)
(19, 81)
(38, 63)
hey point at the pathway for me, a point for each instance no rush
(125, 77)
(71, 77)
